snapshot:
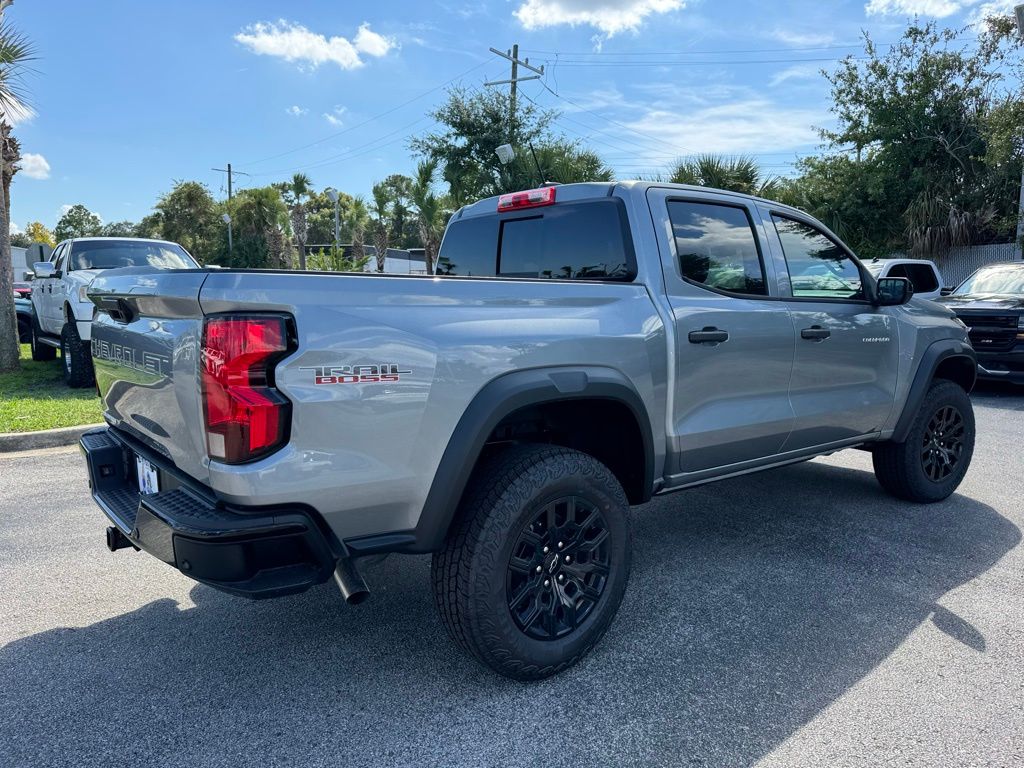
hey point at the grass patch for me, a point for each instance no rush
(36, 397)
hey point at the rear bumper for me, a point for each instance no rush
(251, 552)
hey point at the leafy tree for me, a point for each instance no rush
(118, 229)
(560, 161)
(188, 215)
(37, 232)
(430, 211)
(736, 174)
(320, 218)
(77, 221)
(472, 127)
(150, 226)
(20, 240)
(15, 54)
(925, 152)
(260, 222)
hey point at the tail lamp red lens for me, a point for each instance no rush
(246, 417)
(531, 198)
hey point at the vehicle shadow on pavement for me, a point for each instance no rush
(753, 604)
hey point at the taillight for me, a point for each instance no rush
(246, 417)
(531, 198)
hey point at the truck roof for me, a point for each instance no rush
(592, 189)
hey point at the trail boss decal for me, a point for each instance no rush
(385, 373)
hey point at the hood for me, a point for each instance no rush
(983, 301)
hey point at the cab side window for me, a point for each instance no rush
(819, 268)
(921, 276)
(717, 247)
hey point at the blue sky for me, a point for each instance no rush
(130, 96)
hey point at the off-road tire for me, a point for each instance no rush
(40, 352)
(900, 467)
(506, 492)
(76, 358)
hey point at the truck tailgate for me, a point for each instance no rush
(145, 344)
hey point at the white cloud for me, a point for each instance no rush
(371, 43)
(15, 229)
(734, 121)
(609, 16)
(335, 116)
(802, 39)
(940, 9)
(65, 208)
(997, 8)
(35, 166)
(296, 111)
(291, 41)
(796, 72)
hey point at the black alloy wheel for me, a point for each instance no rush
(943, 443)
(558, 568)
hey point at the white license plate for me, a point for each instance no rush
(149, 481)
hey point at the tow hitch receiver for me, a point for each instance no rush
(117, 540)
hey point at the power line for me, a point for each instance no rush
(692, 63)
(724, 52)
(372, 119)
(558, 95)
(348, 154)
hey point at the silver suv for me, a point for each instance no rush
(581, 348)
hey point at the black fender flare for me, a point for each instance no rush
(496, 400)
(937, 353)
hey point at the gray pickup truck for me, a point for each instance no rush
(580, 349)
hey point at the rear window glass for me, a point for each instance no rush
(112, 254)
(566, 241)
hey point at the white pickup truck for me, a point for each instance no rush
(62, 314)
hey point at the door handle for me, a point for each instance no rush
(815, 333)
(708, 335)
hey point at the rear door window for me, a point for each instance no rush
(717, 247)
(567, 241)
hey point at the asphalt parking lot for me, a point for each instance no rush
(792, 618)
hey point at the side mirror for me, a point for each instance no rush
(43, 269)
(893, 291)
(947, 291)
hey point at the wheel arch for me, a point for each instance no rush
(946, 359)
(524, 392)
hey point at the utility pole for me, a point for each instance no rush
(1018, 11)
(513, 56)
(230, 173)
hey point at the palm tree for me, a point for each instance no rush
(736, 174)
(381, 210)
(357, 217)
(429, 211)
(15, 53)
(299, 189)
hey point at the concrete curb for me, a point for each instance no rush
(11, 442)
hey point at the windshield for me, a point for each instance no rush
(1005, 279)
(111, 254)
